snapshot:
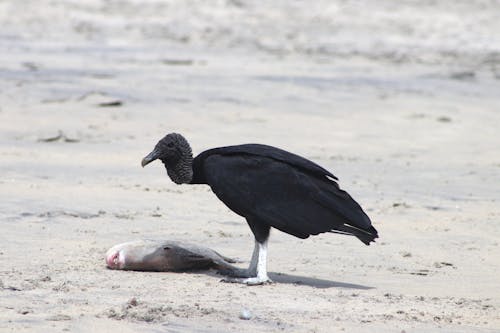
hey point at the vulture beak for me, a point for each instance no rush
(150, 158)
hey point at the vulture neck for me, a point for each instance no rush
(181, 172)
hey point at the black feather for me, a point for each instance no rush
(274, 188)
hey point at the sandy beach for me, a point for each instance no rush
(401, 101)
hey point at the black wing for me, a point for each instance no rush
(284, 196)
(270, 152)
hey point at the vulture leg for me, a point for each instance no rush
(257, 271)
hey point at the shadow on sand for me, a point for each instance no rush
(303, 280)
(314, 282)
(291, 279)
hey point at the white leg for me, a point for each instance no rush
(258, 267)
(262, 262)
(252, 269)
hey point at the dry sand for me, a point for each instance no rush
(399, 100)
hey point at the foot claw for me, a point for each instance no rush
(252, 281)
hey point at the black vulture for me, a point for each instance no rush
(269, 187)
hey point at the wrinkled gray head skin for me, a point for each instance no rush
(176, 154)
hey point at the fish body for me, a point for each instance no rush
(165, 256)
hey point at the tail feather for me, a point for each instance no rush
(365, 235)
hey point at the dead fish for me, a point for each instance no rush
(165, 256)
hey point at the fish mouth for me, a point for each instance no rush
(113, 260)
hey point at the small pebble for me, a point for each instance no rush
(245, 314)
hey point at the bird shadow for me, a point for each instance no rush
(289, 279)
(314, 282)
(302, 280)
